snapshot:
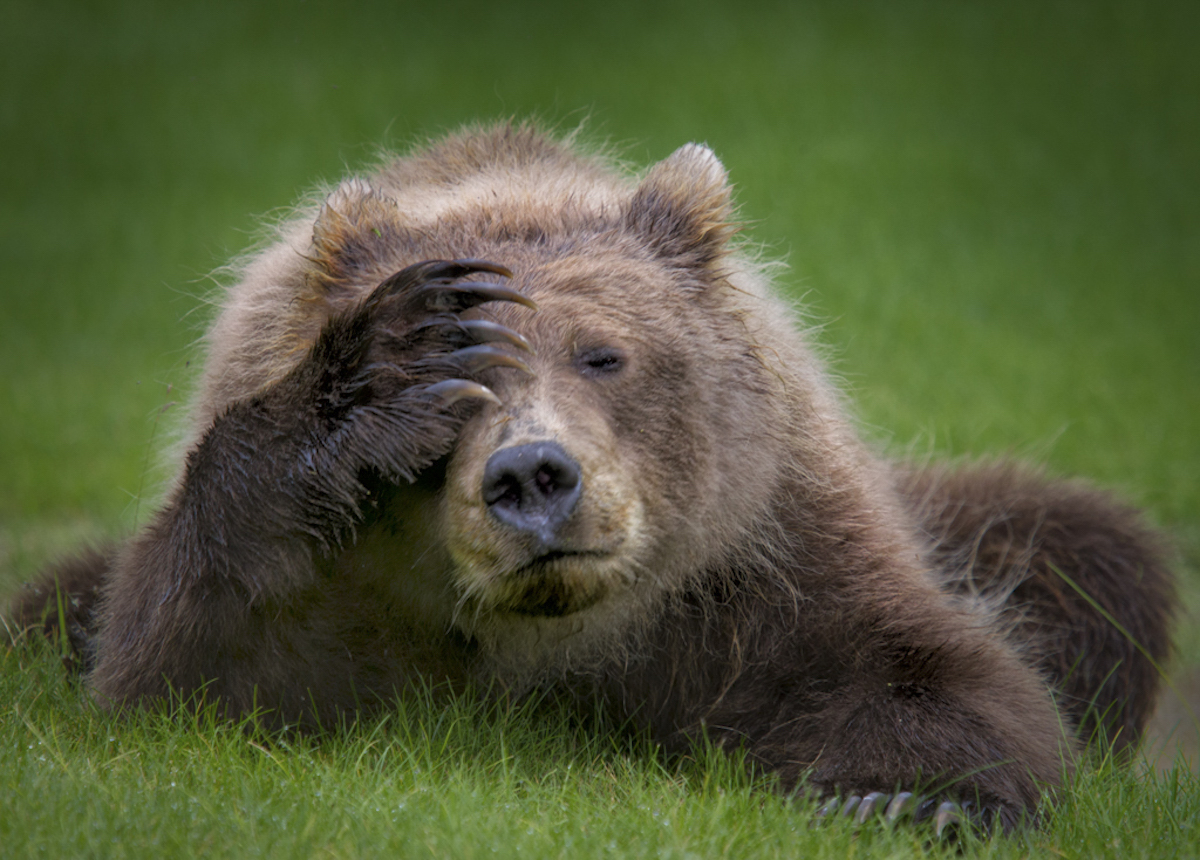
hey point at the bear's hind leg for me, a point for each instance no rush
(1080, 581)
(62, 605)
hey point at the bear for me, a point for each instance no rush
(503, 415)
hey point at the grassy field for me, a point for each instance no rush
(994, 208)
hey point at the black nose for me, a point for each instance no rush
(532, 488)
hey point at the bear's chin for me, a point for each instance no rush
(550, 599)
(554, 585)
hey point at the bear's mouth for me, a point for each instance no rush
(550, 585)
(551, 556)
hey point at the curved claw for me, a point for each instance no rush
(450, 391)
(481, 356)
(949, 815)
(440, 297)
(480, 331)
(871, 804)
(431, 271)
(830, 807)
(446, 270)
(471, 265)
(486, 331)
(902, 804)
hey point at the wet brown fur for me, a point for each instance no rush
(739, 564)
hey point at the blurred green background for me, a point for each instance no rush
(994, 207)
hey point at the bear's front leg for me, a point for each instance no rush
(213, 594)
(918, 717)
(888, 699)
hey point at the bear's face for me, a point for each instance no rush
(635, 452)
(612, 402)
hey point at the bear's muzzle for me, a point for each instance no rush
(533, 489)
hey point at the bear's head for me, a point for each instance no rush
(657, 426)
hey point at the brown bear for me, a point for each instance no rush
(500, 415)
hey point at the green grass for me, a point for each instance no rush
(465, 780)
(993, 206)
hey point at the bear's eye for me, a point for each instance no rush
(602, 361)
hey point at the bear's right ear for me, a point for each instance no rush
(683, 207)
(351, 233)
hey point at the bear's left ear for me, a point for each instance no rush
(683, 207)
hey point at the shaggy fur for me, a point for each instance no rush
(606, 464)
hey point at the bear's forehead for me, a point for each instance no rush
(533, 195)
(582, 273)
(598, 295)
